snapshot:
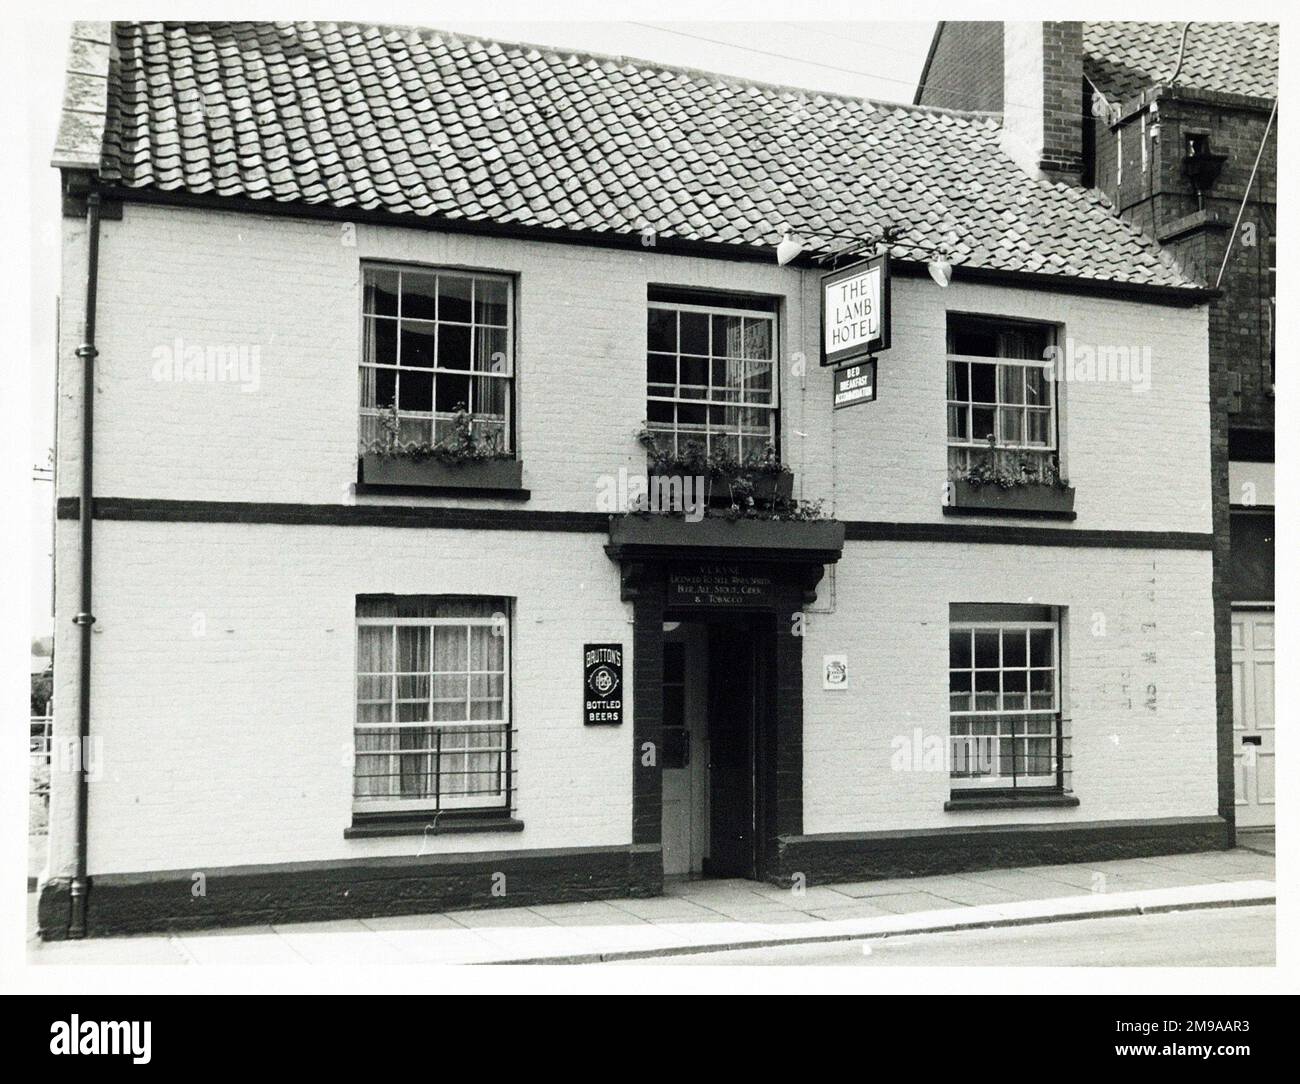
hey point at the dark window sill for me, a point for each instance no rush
(366, 828)
(379, 489)
(501, 478)
(1033, 501)
(953, 510)
(974, 800)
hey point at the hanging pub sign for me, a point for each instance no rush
(855, 384)
(855, 311)
(602, 684)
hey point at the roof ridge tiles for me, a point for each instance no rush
(639, 65)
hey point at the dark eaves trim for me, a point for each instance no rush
(676, 246)
(1071, 284)
(1224, 99)
(1139, 101)
(151, 510)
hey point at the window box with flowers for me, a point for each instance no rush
(759, 481)
(1005, 483)
(465, 460)
(747, 510)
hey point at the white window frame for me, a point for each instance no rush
(707, 401)
(433, 416)
(999, 781)
(998, 405)
(505, 750)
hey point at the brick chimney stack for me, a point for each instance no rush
(1043, 99)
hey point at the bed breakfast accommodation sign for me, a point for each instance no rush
(855, 311)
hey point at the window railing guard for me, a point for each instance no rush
(1011, 761)
(439, 790)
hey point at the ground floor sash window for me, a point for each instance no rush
(1004, 705)
(432, 721)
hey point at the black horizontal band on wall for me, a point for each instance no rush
(336, 515)
(1000, 534)
(155, 510)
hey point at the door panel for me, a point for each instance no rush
(684, 751)
(1253, 718)
(675, 766)
(731, 753)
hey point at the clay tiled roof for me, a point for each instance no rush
(427, 123)
(1232, 58)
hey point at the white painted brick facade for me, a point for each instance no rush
(1140, 461)
(224, 686)
(227, 748)
(1129, 759)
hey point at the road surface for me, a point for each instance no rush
(1216, 937)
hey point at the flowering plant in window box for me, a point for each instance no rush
(757, 480)
(1011, 480)
(466, 458)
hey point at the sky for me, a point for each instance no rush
(871, 60)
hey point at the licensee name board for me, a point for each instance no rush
(855, 311)
(855, 384)
(722, 584)
(602, 684)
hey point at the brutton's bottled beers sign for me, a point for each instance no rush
(602, 684)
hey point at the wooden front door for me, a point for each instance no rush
(1252, 717)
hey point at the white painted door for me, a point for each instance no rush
(1252, 716)
(684, 752)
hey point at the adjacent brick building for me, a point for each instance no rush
(318, 689)
(1175, 124)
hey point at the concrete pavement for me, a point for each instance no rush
(703, 916)
(1223, 937)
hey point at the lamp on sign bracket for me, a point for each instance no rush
(788, 249)
(940, 268)
(940, 265)
(791, 247)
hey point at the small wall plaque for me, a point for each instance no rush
(835, 671)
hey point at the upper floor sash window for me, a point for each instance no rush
(1001, 392)
(436, 342)
(711, 377)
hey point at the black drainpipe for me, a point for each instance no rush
(87, 353)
